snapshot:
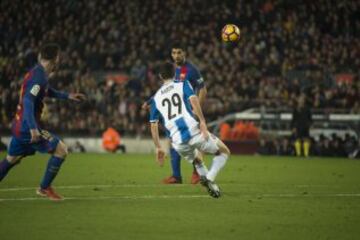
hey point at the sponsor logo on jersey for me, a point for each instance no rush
(35, 90)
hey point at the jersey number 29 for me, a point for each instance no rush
(174, 102)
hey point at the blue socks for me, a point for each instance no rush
(52, 169)
(5, 167)
(175, 163)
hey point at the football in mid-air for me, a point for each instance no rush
(230, 33)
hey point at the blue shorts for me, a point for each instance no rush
(23, 147)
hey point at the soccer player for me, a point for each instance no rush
(175, 104)
(27, 134)
(184, 70)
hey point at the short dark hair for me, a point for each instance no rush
(166, 70)
(49, 51)
(178, 45)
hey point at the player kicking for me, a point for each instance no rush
(174, 103)
(184, 70)
(27, 134)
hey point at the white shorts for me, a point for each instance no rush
(197, 142)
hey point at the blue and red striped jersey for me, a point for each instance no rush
(34, 89)
(189, 72)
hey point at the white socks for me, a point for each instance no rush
(217, 164)
(201, 169)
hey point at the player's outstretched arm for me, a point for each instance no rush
(53, 93)
(160, 153)
(77, 97)
(198, 112)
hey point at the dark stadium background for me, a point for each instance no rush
(288, 50)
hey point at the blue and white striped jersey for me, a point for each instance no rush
(171, 106)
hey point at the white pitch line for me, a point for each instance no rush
(281, 195)
(92, 186)
(109, 198)
(15, 189)
(290, 195)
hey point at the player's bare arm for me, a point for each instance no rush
(198, 112)
(160, 153)
(202, 95)
(77, 97)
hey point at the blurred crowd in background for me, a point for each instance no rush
(288, 49)
(334, 146)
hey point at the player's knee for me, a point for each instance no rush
(64, 149)
(13, 159)
(199, 155)
(61, 150)
(224, 149)
(227, 151)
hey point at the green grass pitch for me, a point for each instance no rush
(121, 197)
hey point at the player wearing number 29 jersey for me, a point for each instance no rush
(171, 105)
(175, 104)
(184, 71)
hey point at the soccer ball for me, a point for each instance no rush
(230, 33)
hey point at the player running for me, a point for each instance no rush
(27, 134)
(174, 104)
